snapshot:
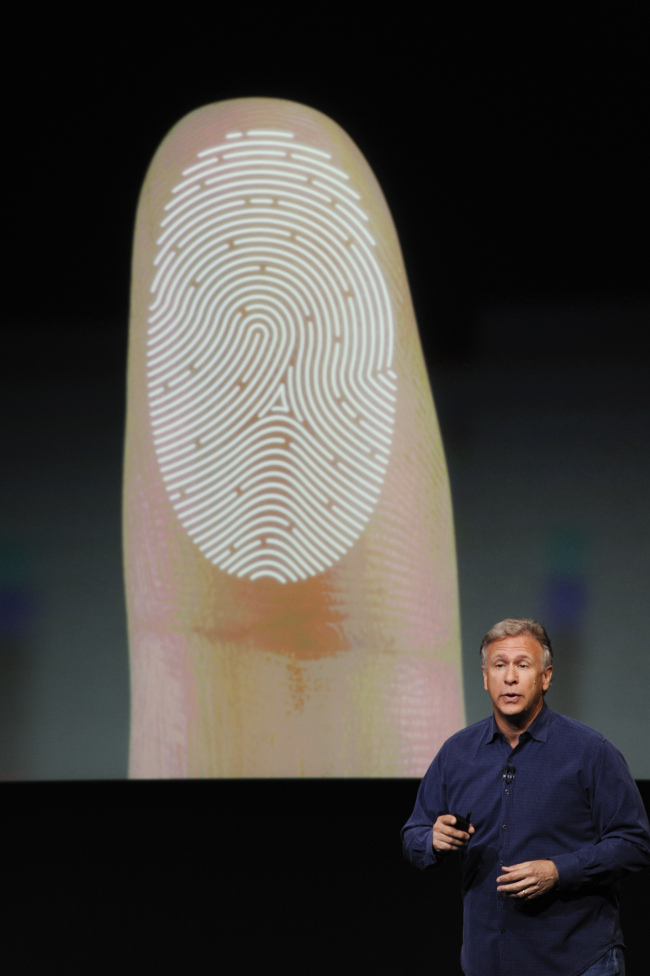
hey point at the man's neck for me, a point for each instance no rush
(512, 730)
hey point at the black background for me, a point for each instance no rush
(513, 154)
(300, 876)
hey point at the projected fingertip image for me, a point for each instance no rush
(270, 351)
(289, 553)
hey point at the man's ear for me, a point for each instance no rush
(484, 670)
(546, 677)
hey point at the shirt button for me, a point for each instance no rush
(500, 864)
(500, 897)
(503, 931)
(505, 826)
(507, 791)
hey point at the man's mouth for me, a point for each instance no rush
(511, 696)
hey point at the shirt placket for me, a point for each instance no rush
(504, 914)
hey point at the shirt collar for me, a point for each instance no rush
(537, 730)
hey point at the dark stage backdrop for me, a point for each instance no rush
(289, 876)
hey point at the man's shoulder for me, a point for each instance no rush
(471, 733)
(458, 746)
(577, 735)
(571, 726)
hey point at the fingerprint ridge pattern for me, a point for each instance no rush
(270, 357)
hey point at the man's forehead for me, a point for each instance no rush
(520, 644)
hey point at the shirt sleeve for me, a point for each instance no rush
(417, 833)
(620, 822)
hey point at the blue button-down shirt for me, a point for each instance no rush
(572, 799)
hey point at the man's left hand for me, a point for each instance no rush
(530, 879)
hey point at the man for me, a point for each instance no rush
(556, 819)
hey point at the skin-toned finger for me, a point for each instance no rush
(528, 888)
(529, 892)
(446, 837)
(529, 879)
(345, 660)
(540, 869)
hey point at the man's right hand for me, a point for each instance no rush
(445, 835)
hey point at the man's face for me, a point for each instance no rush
(514, 679)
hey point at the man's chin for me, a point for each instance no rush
(515, 711)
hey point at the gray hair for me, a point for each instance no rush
(512, 628)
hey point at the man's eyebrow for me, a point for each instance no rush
(524, 656)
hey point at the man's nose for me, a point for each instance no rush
(511, 673)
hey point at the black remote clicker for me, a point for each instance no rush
(462, 823)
